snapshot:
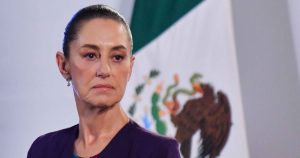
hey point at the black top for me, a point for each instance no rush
(132, 141)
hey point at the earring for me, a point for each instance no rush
(68, 84)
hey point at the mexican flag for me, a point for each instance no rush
(185, 81)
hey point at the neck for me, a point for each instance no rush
(96, 123)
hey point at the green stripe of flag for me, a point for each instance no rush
(152, 17)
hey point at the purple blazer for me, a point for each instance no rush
(132, 141)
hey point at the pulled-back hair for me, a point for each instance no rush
(86, 14)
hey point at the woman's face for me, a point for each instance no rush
(100, 62)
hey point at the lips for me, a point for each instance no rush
(103, 86)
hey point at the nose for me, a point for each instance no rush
(103, 68)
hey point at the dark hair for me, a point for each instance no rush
(88, 13)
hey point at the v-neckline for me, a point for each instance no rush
(113, 142)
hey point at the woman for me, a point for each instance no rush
(97, 60)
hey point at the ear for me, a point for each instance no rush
(63, 65)
(131, 66)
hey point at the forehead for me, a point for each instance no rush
(101, 31)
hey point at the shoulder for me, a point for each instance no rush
(141, 133)
(52, 141)
(158, 145)
(56, 136)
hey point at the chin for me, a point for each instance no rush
(103, 100)
(104, 103)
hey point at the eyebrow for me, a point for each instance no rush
(95, 47)
(92, 46)
(118, 47)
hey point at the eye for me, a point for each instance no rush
(90, 56)
(118, 58)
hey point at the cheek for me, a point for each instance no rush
(81, 74)
(122, 76)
